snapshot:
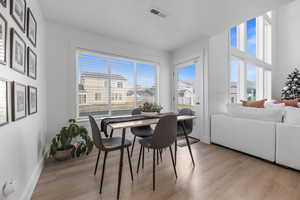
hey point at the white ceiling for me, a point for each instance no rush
(130, 20)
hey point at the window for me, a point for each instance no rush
(234, 81)
(113, 86)
(251, 37)
(97, 96)
(120, 85)
(82, 99)
(251, 59)
(251, 82)
(146, 84)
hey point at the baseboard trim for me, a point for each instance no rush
(27, 193)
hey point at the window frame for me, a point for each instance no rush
(118, 57)
(240, 53)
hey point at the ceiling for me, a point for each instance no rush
(130, 20)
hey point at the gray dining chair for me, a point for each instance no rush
(141, 132)
(185, 128)
(163, 137)
(107, 145)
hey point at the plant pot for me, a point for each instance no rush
(62, 155)
(150, 114)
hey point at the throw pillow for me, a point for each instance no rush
(292, 103)
(254, 104)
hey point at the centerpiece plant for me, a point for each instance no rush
(151, 108)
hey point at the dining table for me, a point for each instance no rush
(132, 122)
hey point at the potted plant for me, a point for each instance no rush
(150, 109)
(72, 141)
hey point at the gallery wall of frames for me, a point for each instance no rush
(22, 59)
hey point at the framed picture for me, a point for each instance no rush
(18, 101)
(31, 63)
(32, 100)
(18, 12)
(3, 37)
(3, 102)
(18, 52)
(3, 3)
(31, 27)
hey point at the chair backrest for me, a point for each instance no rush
(96, 133)
(165, 132)
(187, 123)
(136, 111)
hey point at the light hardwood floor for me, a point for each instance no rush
(220, 173)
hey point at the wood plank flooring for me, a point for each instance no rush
(220, 174)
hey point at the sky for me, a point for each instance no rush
(187, 73)
(146, 74)
(251, 49)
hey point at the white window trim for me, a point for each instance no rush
(109, 57)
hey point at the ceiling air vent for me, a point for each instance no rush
(157, 12)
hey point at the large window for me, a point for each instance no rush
(113, 86)
(251, 59)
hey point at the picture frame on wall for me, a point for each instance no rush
(18, 52)
(31, 27)
(18, 101)
(31, 63)
(18, 12)
(3, 102)
(32, 100)
(3, 38)
(3, 3)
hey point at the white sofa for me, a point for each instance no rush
(288, 145)
(265, 137)
(250, 136)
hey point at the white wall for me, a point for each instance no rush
(62, 42)
(22, 142)
(288, 44)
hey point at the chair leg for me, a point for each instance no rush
(160, 152)
(111, 133)
(138, 167)
(103, 170)
(96, 167)
(154, 169)
(173, 161)
(132, 146)
(175, 151)
(130, 166)
(143, 161)
(157, 156)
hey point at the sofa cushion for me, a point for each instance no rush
(254, 104)
(264, 114)
(292, 115)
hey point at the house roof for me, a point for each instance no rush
(101, 76)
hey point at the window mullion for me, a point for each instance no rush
(135, 84)
(109, 87)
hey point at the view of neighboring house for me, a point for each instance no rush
(185, 92)
(234, 91)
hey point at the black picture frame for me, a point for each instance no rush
(3, 49)
(3, 3)
(30, 54)
(30, 19)
(30, 90)
(21, 23)
(13, 36)
(15, 100)
(5, 93)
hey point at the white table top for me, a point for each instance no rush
(145, 122)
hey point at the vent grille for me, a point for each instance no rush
(158, 13)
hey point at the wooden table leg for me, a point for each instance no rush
(121, 163)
